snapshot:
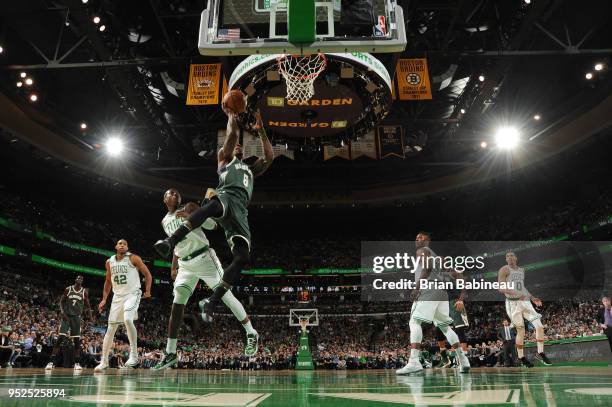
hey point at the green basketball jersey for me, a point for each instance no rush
(236, 178)
(74, 301)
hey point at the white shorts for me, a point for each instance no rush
(205, 267)
(431, 311)
(517, 310)
(124, 307)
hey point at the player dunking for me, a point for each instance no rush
(194, 260)
(519, 307)
(430, 306)
(122, 276)
(71, 304)
(228, 207)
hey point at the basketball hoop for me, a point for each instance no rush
(303, 324)
(300, 72)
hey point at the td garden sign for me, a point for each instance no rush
(343, 91)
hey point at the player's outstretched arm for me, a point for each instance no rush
(144, 270)
(263, 163)
(107, 288)
(226, 153)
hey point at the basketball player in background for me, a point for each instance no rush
(71, 304)
(430, 306)
(122, 276)
(227, 206)
(519, 307)
(460, 324)
(194, 260)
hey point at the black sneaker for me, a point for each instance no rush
(526, 362)
(206, 309)
(543, 359)
(168, 360)
(163, 248)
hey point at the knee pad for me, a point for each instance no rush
(537, 324)
(181, 294)
(416, 332)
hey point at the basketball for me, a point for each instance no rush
(235, 101)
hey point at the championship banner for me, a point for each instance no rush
(413, 79)
(331, 152)
(281, 149)
(390, 141)
(204, 84)
(365, 146)
(251, 146)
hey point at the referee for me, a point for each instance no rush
(605, 319)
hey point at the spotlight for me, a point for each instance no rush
(96, 20)
(507, 138)
(23, 74)
(481, 78)
(33, 97)
(114, 146)
(462, 111)
(19, 84)
(1, 49)
(29, 81)
(483, 144)
(102, 28)
(527, 1)
(598, 67)
(83, 126)
(589, 75)
(537, 117)
(84, 1)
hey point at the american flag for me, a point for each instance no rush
(228, 34)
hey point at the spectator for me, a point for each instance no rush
(604, 318)
(507, 335)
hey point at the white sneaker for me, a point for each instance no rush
(77, 366)
(49, 366)
(101, 367)
(411, 367)
(132, 361)
(464, 363)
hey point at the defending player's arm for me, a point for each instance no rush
(61, 304)
(226, 153)
(174, 267)
(144, 270)
(263, 163)
(108, 284)
(87, 304)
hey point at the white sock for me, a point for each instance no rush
(540, 346)
(248, 327)
(520, 352)
(171, 345)
(234, 305)
(132, 335)
(414, 354)
(108, 342)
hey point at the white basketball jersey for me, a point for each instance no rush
(516, 276)
(124, 275)
(435, 272)
(194, 240)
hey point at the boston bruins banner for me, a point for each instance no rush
(204, 84)
(365, 146)
(390, 141)
(413, 79)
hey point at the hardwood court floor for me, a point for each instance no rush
(553, 386)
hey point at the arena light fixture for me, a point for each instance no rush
(1, 49)
(23, 75)
(84, 1)
(589, 75)
(102, 28)
(96, 20)
(537, 117)
(507, 137)
(481, 78)
(19, 84)
(33, 97)
(483, 144)
(527, 1)
(598, 66)
(462, 111)
(83, 125)
(29, 81)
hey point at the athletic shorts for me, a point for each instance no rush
(234, 220)
(205, 267)
(124, 307)
(518, 310)
(431, 311)
(71, 327)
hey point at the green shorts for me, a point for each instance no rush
(234, 220)
(72, 326)
(459, 318)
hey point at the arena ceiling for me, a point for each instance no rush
(533, 59)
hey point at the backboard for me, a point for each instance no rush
(247, 27)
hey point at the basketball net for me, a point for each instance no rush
(300, 72)
(303, 324)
